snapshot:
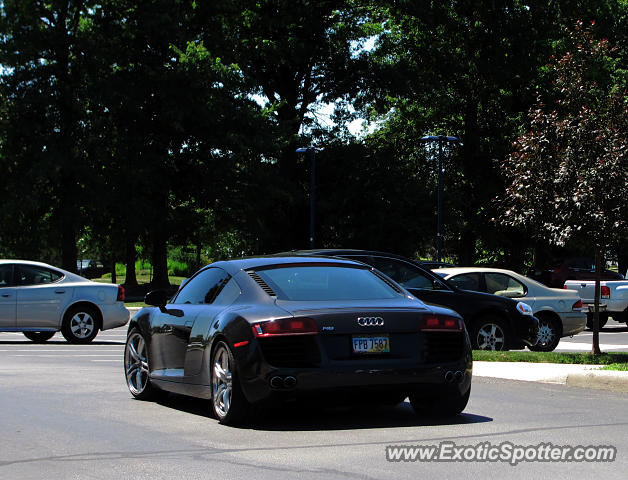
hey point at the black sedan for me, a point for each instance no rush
(258, 331)
(494, 323)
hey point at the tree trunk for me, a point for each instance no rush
(595, 349)
(129, 260)
(160, 259)
(112, 263)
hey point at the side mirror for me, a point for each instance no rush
(157, 298)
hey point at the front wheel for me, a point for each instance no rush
(228, 402)
(447, 405)
(136, 370)
(549, 335)
(490, 333)
(39, 337)
(80, 324)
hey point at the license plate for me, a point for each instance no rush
(379, 344)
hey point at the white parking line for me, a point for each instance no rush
(38, 350)
(587, 346)
(71, 356)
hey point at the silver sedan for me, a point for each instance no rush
(38, 300)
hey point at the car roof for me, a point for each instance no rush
(459, 270)
(28, 262)
(348, 251)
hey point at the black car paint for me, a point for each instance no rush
(180, 347)
(472, 306)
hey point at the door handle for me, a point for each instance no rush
(6, 295)
(59, 292)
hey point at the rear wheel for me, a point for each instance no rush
(549, 334)
(490, 333)
(228, 402)
(39, 337)
(80, 324)
(447, 405)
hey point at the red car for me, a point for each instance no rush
(573, 269)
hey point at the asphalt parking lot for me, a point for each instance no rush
(66, 413)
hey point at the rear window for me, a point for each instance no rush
(304, 283)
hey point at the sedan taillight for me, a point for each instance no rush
(120, 297)
(439, 323)
(285, 326)
(577, 305)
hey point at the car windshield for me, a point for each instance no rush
(315, 282)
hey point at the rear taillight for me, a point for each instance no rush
(577, 305)
(120, 297)
(285, 326)
(439, 323)
(605, 291)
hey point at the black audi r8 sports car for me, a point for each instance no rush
(258, 331)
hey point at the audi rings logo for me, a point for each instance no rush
(370, 321)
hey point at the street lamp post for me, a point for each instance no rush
(311, 152)
(439, 234)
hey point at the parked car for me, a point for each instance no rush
(560, 312)
(494, 323)
(90, 268)
(38, 300)
(572, 269)
(613, 294)
(264, 330)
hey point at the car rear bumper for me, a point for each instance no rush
(573, 322)
(369, 383)
(114, 315)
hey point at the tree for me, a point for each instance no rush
(568, 177)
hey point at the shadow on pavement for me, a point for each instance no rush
(301, 416)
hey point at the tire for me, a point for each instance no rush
(549, 334)
(490, 333)
(136, 367)
(39, 337)
(228, 402)
(80, 324)
(603, 320)
(447, 405)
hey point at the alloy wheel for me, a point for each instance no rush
(136, 363)
(222, 381)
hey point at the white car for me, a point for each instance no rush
(559, 311)
(39, 300)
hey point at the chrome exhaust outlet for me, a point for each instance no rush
(276, 382)
(289, 382)
(449, 376)
(458, 375)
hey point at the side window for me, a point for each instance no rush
(403, 273)
(467, 281)
(32, 275)
(6, 275)
(504, 285)
(228, 294)
(203, 288)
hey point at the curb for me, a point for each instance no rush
(587, 376)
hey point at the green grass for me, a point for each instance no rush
(615, 358)
(142, 278)
(622, 367)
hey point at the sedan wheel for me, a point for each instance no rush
(228, 402)
(136, 368)
(39, 337)
(490, 334)
(80, 325)
(549, 335)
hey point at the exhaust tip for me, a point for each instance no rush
(458, 375)
(276, 382)
(289, 382)
(449, 376)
